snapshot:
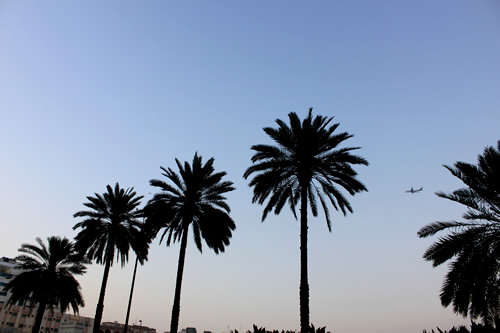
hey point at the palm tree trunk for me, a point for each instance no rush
(130, 297)
(100, 304)
(39, 317)
(176, 308)
(304, 283)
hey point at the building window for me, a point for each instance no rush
(21, 325)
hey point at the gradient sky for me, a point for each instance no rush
(98, 92)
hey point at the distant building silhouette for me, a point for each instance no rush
(188, 330)
(116, 327)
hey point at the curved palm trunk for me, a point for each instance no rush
(176, 308)
(39, 317)
(130, 297)
(100, 304)
(304, 283)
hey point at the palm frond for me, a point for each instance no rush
(472, 247)
(195, 187)
(46, 272)
(306, 150)
(433, 228)
(111, 226)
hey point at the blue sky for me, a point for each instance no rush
(98, 92)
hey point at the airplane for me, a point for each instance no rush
(414, 191)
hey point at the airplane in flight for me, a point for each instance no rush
(414, 191)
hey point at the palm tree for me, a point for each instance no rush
(138, 258)
(473, 245)
(194, 197)
(304, 166)
(129, 306)
(111, 226)
(47, 278)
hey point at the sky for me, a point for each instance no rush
(98, 92)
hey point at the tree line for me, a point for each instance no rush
(306, 167)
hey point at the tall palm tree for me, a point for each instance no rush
(305, 165)
(48, 277)
(192, 197)
(473, 245)
(110, 226)
(129, 306)
(138, 258)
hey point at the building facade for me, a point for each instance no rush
(188, 330)
(116, 327)
(8, 269)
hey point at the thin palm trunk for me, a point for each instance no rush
(130, 297)
(176, 308)
(100, 304)
(304, 283)
(39, 317)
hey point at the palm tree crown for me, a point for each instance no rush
(192, 197)
(112, 225)
(307, 161)
(48, 278)
(473, 245)
(195, 198)
(305, 166)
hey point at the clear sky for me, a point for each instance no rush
(97, 92)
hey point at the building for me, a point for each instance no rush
(115, 327)
(8, 269)
(188, 330)
(75, 324)
(19, 319)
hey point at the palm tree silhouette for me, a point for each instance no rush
(304, 166)
(473, 245)
(47, 278)
(110, 226)
(138, 258)
(194, 197)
